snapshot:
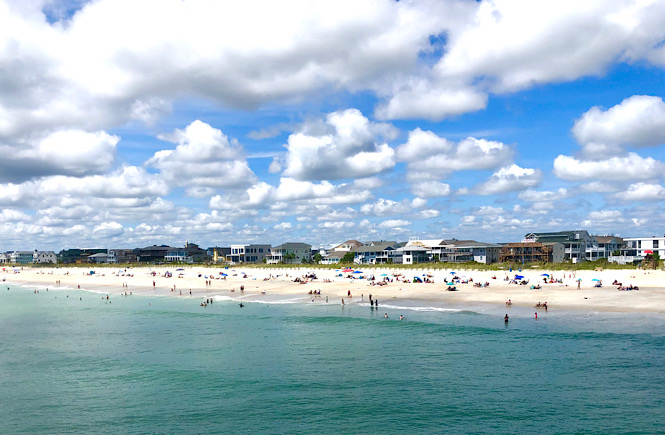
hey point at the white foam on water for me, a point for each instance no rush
(424, 309)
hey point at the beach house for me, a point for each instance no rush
(41, 257)
(379, 252)
(636, 249)
(248, 253)
(578, 245)
(290, 253)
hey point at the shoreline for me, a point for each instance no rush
(266, 283)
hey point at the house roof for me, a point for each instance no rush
(473, 244)
(294, 245)
(376, 247)
(608, 239)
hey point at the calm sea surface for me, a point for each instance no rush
(72, 363)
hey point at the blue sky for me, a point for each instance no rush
(127, 123)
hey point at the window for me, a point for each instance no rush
(655, 244)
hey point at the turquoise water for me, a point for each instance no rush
(70, 365)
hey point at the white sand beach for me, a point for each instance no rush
(267, 283)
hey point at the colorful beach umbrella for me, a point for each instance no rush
(450, 283)
(545, 274)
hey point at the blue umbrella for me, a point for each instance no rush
(519, 277)
(224, 274)
(384, 274)
(453, 273)
(545, 274)
(450, 283)
(357, 271)
(595, 279)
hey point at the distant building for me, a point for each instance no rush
(41, 257)
(532, 252)
(99, 258)
(290, 253)
(21, 257)
(72, 256)
(376, 253)
(190, 253)
(153, 254)
(636, 249)
(578, 245)
(333, 257)
(348, 246)
(122, 256)
(251, 253)
(219, 254)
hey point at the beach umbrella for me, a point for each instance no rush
(519, 277)
(450, 283)
(357, 271)
(648, 251)
(545, 274)
(384, 274)
(347, 270)
(179, 269)
(223, 274)
(595, 279)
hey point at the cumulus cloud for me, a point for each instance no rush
(642, 192)
(544, 195)
(509, 179)
(630, 167)
(385, 207)
(394, 224)
(63, 152)
(431, 156)
(203, 158)
(430, 189)
(638, 121)
(344, 146)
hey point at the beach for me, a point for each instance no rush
(264, 284)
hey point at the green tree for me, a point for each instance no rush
(348, 257)
(317, 258)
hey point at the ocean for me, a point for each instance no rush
(71, 362)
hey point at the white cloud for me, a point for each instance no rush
(63, 152)
(637, 121)
(385, 207)
(642, 192)
(283, 226)
(344, 146)
(427, 214)
(431, 156)
(509, 179)
(426, 100)
(604, 218)
(204, 157)
(394, 224)
(536, 196)
(430, 189)
(631, 167)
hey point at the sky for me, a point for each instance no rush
(127, 123)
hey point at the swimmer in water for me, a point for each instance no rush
(505, 319)
(385, 316)
(241, 305)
